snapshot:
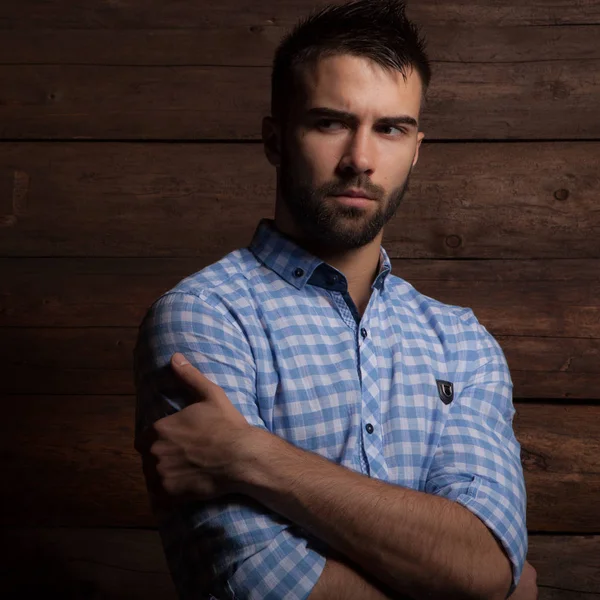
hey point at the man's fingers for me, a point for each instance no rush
(164, 448)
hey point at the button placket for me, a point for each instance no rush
(371, 417)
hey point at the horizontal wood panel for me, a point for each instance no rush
(69, 460)
(79, 564)
(128, 564)
(554, 99)
(145, 14)
(567, 566)
(552, 298)
(239, 44)
(99, 361)
(173, 200)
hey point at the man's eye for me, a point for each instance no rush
(329, 124)
(390, 130)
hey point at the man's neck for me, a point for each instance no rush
(360, 266)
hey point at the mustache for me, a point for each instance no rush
(334, 188)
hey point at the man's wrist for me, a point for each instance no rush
(253, 451)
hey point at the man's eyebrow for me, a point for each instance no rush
(399, 120)
(347, 116)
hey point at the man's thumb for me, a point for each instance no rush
(189, 374)
(179, 359)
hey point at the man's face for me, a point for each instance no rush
(353, 131)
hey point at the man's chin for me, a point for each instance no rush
(356, 211)
(347, 233)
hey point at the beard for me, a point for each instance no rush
(329, 224)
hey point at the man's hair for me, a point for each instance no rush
(374, 29)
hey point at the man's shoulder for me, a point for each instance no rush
(225, 281)
(405, 294)
(233, 270)
(457, 328)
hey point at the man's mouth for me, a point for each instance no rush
(355, 194)
(354, 199)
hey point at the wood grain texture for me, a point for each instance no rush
(187, 76)
(550, 298)
(559, 450)
(149, 14)
(567, 566)
(128, 564)
(72, 462)
(69, 461)
(499, 101)
(234, 44)
(175, 200)
(82, 564)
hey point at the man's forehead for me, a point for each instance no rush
(353, 83)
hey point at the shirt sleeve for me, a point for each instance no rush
(477, 462)
(232, 548)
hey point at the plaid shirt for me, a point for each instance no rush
(416, 393)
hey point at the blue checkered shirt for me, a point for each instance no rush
(275, 327)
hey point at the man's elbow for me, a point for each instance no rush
(496, 581)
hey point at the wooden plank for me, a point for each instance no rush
(129, 564)
(132, 102)
(149, 14)
(175, 200)
(98, 360)
(495, 12)
(559, 450)
(230, 44)
(553, 367)
(188, 102)
(69, 461)
(72, 462)
(87, 292)
(567, 566)
(112, 564)
(68, 361)
(551, 298)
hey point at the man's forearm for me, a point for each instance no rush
(413, 542)
(340, 581)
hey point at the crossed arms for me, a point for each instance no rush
(405, 541)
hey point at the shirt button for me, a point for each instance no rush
(334, 278)
(298, 272)
(369, 428)
(363, 332)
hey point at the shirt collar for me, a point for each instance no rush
(297, 266)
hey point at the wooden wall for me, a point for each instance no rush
(130, 158)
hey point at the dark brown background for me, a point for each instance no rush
(130, 158)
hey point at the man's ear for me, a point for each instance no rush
(420, 136)
(271, 136)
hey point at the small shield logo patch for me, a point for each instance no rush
(445, 390)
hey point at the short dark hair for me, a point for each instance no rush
(374, 29)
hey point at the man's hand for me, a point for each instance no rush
(194, 450)
(527, 588)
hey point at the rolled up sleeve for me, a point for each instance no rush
(477, 462)
(233, 547)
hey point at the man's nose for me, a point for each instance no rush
(359, 155)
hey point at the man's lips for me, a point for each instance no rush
(354, 199)
(356, 194)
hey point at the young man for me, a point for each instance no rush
(335, 434)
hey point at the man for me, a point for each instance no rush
(335, 434)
